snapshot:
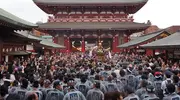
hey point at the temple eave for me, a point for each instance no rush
(89, 2)
(93, 25)
(47, 5)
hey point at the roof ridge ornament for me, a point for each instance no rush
(149, 22)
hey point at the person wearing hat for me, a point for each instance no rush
(158, 75)
(157, 84)
(95, 93)
(56, 93)
(150, 94)
(171, 94)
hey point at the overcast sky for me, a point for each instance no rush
(163, 13)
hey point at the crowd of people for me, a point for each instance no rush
(78, 76)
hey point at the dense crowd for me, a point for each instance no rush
(78, 76)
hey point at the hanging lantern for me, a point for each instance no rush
(77, 44)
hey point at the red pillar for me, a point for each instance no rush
(83, 45)
(149, 52)
(126, 38)
(115, 44)
(55, 39)
(68, 45)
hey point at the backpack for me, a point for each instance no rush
(157, 85)
(158, 90)
(168, 82)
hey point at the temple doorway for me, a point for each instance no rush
(90, 43)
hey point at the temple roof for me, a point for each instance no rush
(15, 37)
(18, 53)
(14, 20)
(92, 25)
(172, 41)
(50, 44)
(43, 42)
(89, 1)
(141, 39)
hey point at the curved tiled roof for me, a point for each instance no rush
(141, 39)
(172, 41)
(43, 42)
(93, 25)
(12, 19)
(89, 1)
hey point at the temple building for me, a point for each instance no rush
(12, 43)
(80, 25)
(134, 44)
(17, 40)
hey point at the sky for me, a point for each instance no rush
(163, 13)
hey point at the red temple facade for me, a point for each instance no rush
(80, 25)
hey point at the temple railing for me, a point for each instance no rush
(91, 19)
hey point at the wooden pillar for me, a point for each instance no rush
(83, 45)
